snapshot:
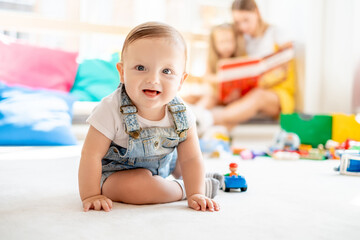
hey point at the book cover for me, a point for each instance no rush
(238, 76)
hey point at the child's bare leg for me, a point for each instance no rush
(258, 100)
(139, 186)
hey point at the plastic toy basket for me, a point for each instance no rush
(311, 129)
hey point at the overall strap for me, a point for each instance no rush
(128, 110)
(178, 111)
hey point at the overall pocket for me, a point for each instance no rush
(170, 142)
(151, 146)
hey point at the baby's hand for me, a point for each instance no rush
(200, 202)
(97, 203)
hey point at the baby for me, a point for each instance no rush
(142, 132)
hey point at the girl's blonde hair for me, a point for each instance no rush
(153, 30)
(213, 55)
(251, 6)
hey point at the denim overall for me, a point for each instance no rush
(153, 148)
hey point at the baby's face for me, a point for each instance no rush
(153, 71)
(224, 40)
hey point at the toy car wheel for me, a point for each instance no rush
(227, 189)
(243, 189)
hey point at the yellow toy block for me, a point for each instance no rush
(345, 127)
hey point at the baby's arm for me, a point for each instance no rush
(193, 172)
(94, 149)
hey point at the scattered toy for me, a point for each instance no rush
(283, 155)
(233, 180)
(215, 141)
(236, 150)
(314, 154)
(331, 144)
(258, 153)
(350, 164)
(246, 154)
(285, 141)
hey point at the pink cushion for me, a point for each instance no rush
(37, 67)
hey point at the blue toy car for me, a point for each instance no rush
(235, 182)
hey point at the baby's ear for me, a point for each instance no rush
(120, 68)
(183, 78)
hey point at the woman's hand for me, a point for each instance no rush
(97, 203)
(201, 203)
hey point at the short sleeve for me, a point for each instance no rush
(106, 116)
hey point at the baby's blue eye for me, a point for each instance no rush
(167, 71)
(140, 68)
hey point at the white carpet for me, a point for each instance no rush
(285, 200)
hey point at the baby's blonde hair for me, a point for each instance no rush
(213, 55)
(153, 30)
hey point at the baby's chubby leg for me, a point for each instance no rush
(139, 186)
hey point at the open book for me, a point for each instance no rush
(238, 76)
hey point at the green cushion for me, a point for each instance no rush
(96, 79)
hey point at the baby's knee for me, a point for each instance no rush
(127, 180)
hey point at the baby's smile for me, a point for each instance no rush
(151, 93)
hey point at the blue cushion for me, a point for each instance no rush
(35, 117)
(96, 79)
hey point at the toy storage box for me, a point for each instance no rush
(311, 129)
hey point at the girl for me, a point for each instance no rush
(223, 44)
(142, 132)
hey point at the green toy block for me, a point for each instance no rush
(311, 129)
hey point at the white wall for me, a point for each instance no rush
(313, 47)
(341, 53)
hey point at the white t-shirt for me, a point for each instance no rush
(265, 45)
(107, 119)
